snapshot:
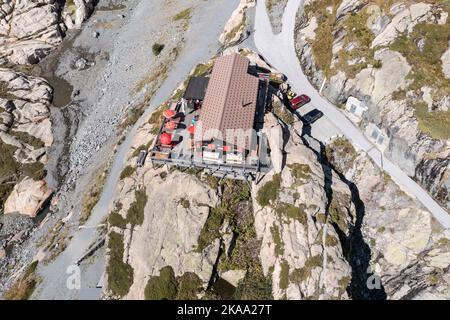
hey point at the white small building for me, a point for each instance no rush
(355, 107)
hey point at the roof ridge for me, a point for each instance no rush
(233, 70)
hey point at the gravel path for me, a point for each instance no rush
(279, 50)
(207, 23)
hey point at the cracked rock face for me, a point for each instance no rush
(300, 248)
(25, 133)
(422, 156)
(30, 30)
(408, 248)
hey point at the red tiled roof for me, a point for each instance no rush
(231, 96)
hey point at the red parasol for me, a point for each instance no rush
(227, 148)
(191, 129)
(165, 138)
(169, 113)
(171, 125)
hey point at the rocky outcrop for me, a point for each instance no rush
(300, 247)
(25, 133)
(27, 197)
(75, 14)
(235, 27)
(361, 66)
(29, 30)
(408, 248)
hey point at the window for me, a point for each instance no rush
(375, 134)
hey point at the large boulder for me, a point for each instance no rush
(27, 197)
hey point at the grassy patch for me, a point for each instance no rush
(300, 172)
(337, 215)
(11, 171)
(157, 48)
(323, 43)
(233, 32)
(361, 37)
(135, 214)
(302, 274)
(92, 197)
(128, 171)
(289, 211)
(427, 70)
(157, 75)
(183, 15)
(115, 219)
(168, 287)
(279, 246)
(162, 287)
(341, 154)
(284, 275)
(27, 138)
(120, 274)
(23, 288)
(132, 117)
(185, 203)
(143, 147)
(203, 69)
(255, 286)
(211, 229)
(189, 285)
(269, 192)
(283, 113)
(436, 124)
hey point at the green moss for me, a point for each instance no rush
(323, 43)
(287, 210)
(135, 214)
(189, 285)
(279, 246)
(338, 216)
(302, 274)
(23, 288)
(143, 147)
(362, 37)
(211, 229)
(284, 275)
(254, 286)
(283, 113)
(185, 203)
(116, 220)
(300, 172)
(331, 241)
(269, 191)
(132, 117)
(120, 274)
(183, 15)
(427, 64)
(202, 69)
(27, 138)
(128, 171)
(157, 48)
(162, 287)
(436, 124)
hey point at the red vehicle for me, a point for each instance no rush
(300, 101)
